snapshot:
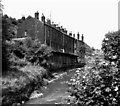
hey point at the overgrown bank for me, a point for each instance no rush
(25, 64)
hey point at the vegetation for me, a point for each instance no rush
(111, 47)
(24, 64)
(98, 84)
(95, 85)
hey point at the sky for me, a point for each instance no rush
(92, 18)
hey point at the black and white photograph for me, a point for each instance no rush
(60, 52)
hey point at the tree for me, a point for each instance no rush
(111, 47)
(1, 8)
(9, 30)
(9, 26)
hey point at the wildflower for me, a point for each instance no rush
(98, 92)
(114, 99)
(107, 89)
(114, 57)
(116, 88)
(77, 71)
(102, 85)
(84, 77)
(110, 94)
(84, 87)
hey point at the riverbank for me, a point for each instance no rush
(22, 70)
(30, 83)
(56, 92)
(18, 85)
(25, 68)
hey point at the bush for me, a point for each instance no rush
(35, 52)
(111, 47)
(8, 32)
(5, 57)
(22, 59)
(98, 84)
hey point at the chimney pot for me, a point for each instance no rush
(37, 15)
(74, 35)
(70, 33)
(82, 37)
(23, 18)
(43, 18)
(78, 35)
(49, 21)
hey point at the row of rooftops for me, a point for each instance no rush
(56, 26)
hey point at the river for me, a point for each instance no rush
(56, 91)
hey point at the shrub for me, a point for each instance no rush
(5, 56)
(98, 84)
(8, 32)
(35, 52)
(111, 47)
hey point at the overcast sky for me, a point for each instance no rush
(92, 18)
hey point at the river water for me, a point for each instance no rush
(56, 91)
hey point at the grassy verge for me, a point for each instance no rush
(17, 85)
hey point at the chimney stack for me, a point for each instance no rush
(23, 18)
(37, 15)
(82, 37)
(78, 36)
(49, 21)
(65, 31)
(73, 35)
(43, 18)
(70, 33)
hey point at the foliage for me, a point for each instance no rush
(5, 56)
(9, 26)
(111, 47)
(1, 8)
(9, 30)
(14, 49)
(20, 53)
(35, 52)
(24, 73)
(22, 61)
(96, 84)
(31, 50)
